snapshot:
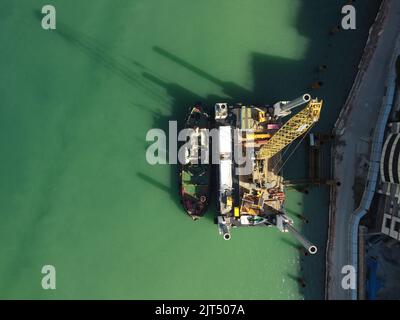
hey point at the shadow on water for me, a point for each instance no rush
(132, 72)
(127, 69)
(182, 100)
(274, 79)
(301, 282)
(231, 89)
(291, 243)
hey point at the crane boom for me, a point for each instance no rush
(292, 129)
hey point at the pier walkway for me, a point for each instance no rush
(356, 138)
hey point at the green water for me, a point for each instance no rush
(75, 189)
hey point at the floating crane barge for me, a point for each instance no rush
(250, 140)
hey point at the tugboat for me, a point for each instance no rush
(194, 172)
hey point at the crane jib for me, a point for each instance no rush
(292, 129)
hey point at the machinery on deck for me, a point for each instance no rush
(250, 142)
(292, 129)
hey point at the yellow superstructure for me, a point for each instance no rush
(292, 129)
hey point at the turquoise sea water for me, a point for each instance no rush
(76, 191)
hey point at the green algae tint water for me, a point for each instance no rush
(76, 191)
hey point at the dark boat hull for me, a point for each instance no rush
(194, 178)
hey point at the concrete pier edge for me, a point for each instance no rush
(338, 130)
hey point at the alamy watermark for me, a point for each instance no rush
(201, 146)
(349, 19)
(49, 18)
(349, 279)
(49, 278)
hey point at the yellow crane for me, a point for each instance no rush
(292, 129)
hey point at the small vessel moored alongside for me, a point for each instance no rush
(194, 173)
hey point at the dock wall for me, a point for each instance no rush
(341, 123)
